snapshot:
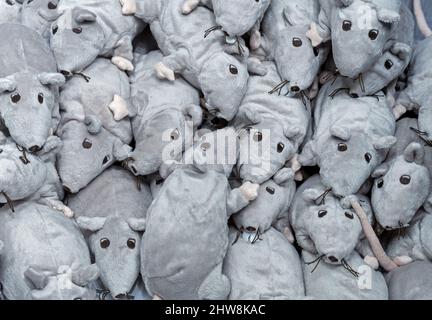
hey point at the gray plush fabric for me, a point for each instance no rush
(351, 137)
(111, 211)
(44, 256)
(411, 282)
(90, 29)
(402, 183)
(10, 11)
(204, 63)
(280, 277)
(38, 15)
(280, 121)
(334, 282)
(166, 116)
(284, 40)
(189, 216)
(28, 87)
(327, 225)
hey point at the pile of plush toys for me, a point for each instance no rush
(215, 149)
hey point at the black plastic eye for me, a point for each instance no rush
(380, 183)
(258, 136)
(29, 1)
(104, 243)
(250, 229)
(10, 2)
(54, 29)
(405, 179)
(388, 64)
(270, 190)
(1, 150)
(373, 34)
(322, 213)
(297, 42)
(174, 135)
(346, 25)
(131, 243)
(15, 97)
(77, 298)
(40, 98)
(233, 69)
(349, 215)
(368, 157)
(159, 181)
(342, 147)
(106, 159)
(87, 144)
(316, 51)
(205, 146)
(52, 5)
(77, 30)
(280, 147)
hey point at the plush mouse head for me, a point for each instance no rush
(235, 24)
(265, 147)
(401, 187)
(76, 40)
(71, 285)
(9, 11)
(361, 31)
(349, 159)
(332, 229)
(39, 14)
(223, 80)
(88, 149)
(29, 103)
(274, 199)
(115, 239)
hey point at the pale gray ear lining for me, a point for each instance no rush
(414, 153)
(195, 112)
(283, 175)
(82, 15)
(137, 224)
(91, 224)
(84, 275)
(52, 79)
(380, 171)
(340, 132)
(7, 85)
(36, 277)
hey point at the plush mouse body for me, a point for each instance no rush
(89, 29)
(111, 212)
(10, 11)
(191, 208)
(44, 256)
(203, 62)
(28, 87)
(351, 137)
(166, 115)
(276, 122)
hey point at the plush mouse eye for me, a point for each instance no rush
(205, 146)
(1, 150)
(346, 25)
(106, 159)
(297, 42)
(233, 69)
(250, 229)
(77, 30)
(104, 243)
(349, 215)
(40, 98)
(388, 64)
(54, 29)
(280, 147)
(131, 243)
(87, 144)
(405, 179)
(316, 51)
(322, 213)
(174, 134)
(258, 136)
(373, 34)
(368, 157)
(15, 97)
(52, 5)
(270, 190)
(159, 181)
(380, 183)
(342, 147)
(10, 2)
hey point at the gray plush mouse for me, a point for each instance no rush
(28, 87)
(284, 40)
(271, 126)
(89, 29)
(334, 282)
(111, 211)
(166, 115)
(327, 226)
(351, 137)
(189, 217)
(201, 58)
(10, 11)
(45, 256)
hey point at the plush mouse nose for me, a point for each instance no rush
(333, 259)
(35, 149)
(295, 89)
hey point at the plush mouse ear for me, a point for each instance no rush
(294, 132)
(91, 224)
(388, 16)
(51, 147)
(36, 277)
(251, 114)
(81, 15)
(83, 275)
(343, 3)
(7, 85)
(380, 171)
(311, 195)
(384, 143)
(414, 153)
(195, 112)
(93, 123)
(137, 224)
(296, 15)
(255, 67)
(283, 175)
(340, 132)
(52, 79)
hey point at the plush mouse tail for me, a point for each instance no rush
(385, 262)
(421, 19)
